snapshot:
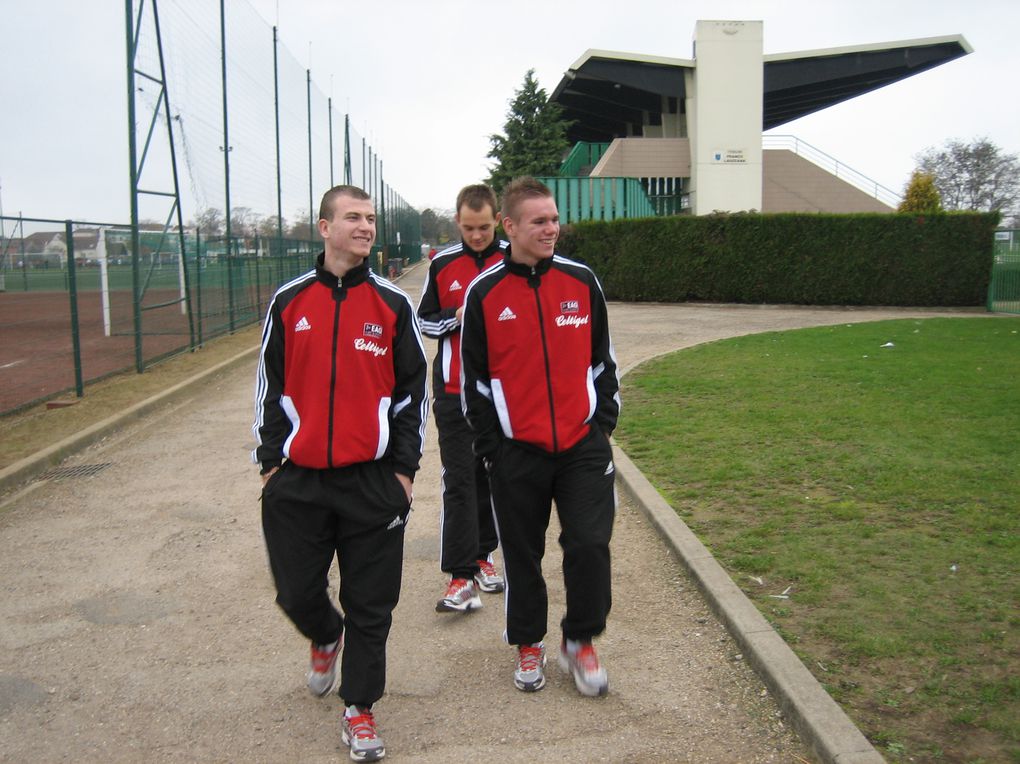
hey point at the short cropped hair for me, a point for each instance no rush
(476, 197)
(326, 206)
(519, 190)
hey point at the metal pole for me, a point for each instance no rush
(198, 279)
(226, 132)
(276, 110)
(382, 207)
(133, 171)
(72, 288)
(177, 189)
(329, 110)
(226, 164)
(347, 149)
(311, 204)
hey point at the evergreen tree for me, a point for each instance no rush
(534, 138)
(921, 194)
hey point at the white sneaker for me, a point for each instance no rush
(530, 674)
(581, 660)
(487, 578)
(359, 732)
(322, 671)
(460, 597)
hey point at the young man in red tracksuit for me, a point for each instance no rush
(467, 531)
(340, 409)
(540, 391)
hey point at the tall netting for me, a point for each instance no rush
(249, 185)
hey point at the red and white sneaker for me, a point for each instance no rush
(581, 660)
(322, 671)
(487, 578)
(529, 676)
(359, 733)
(460, 597)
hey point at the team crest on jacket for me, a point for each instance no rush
(372, 330)
(570, 306)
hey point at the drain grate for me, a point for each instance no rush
(80, 470)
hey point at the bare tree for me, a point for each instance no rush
(209, 222)
(243, 221)
(973, 176)
(301, 228)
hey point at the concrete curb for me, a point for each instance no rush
(818, 719)
(24, 470)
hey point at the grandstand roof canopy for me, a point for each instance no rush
(604, 92)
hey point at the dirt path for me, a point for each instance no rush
(138, 620)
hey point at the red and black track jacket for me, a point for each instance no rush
(342, 374)
(537, 361)
(450, 273)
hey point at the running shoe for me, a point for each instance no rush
(460, 597)
(487, 578)
(322, 671)
(581, 660)
(360, 734)
(530, 676)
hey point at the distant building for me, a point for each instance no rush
(691, 129)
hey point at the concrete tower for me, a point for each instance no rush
(724, 109)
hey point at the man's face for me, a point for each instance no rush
(533, 234)
(477, 227)
(351, 232)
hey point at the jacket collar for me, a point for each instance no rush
(485, 253)
(356, 275)
(540, 269)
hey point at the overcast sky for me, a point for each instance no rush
(427, 82)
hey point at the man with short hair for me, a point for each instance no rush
(540, 391)
(467, 531)
(341, 403)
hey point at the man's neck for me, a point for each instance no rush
(339, 263)
(523, 259)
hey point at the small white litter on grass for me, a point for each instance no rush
(888, 345)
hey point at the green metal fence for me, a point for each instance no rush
(599, 198)
(1004, 288)
(70, 313)
(582, 158)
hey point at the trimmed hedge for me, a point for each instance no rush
(807, 259)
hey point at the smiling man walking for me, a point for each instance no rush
(541, 394)
(340, 411)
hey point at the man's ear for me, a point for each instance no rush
(323, 228)
(508, 226)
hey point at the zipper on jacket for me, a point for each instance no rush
(533, 282)
(332, 377)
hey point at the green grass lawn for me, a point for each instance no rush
(866, 499)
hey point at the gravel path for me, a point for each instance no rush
(138, 620)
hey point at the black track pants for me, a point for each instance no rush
(467, 531)
(356, 513)
(524, 484)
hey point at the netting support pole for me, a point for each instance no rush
(226, 166)
(72, 290)
(347, 149)
(311, 203)
(276, 111)
(329, 111)
(133, 169)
